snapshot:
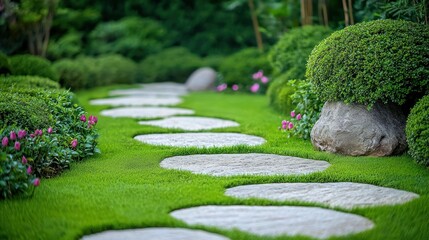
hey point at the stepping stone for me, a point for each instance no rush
(276, 220)
(165, 86)
(147, 93)
(200, 140)
(244, 164)
(145, 112)
(155, 234)
(137, 101)
(191, 123)
(346, 195)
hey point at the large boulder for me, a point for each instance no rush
(354, 130)
(202, 79)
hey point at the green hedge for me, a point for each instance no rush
(279, 93)
(27, 82)
(384, 60)
(290, 53)
(73, 74)
(33, 66)
(417, 131)
(4, 64)
(116, 69)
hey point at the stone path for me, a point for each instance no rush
(244, 164)
(260, 220)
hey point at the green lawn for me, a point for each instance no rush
(124, 187)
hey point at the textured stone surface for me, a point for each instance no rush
(137, 101)
(155, 234)
(342, 194)
(353, 130)
(202, 79)
(244, 164)
(146, 93)
(276, 220)
(200, 140)
(145, 112)
(191, 123)
(165, 86)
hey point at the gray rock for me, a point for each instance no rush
(147, 93)
(155, 234)
(202, 79)
(353, 130)
(340, 194)
(191, 123)
(276, 220)
(244, 164)
(145, 112)
(137, 101)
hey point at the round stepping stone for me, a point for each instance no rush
(276, 220)
(346, 195)
(165, 86)
(155, 234)
(200, 140)
(145, 112)
(244, 164)
(147, 93)
(137, 101)
(191, 123)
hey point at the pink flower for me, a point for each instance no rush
(292, 114)
(254, 88)
(83, 118)
(17, 146)
(235, 87)
(12, 135)
(29, 170)
(74, 143)
(222, 87)
(32, 135)
(258, 75)
(50, 130)
(290, 125)
(21, 133)
(24, 160)
(4, 141)
(93, 118)
(284, 122)
(264, 80)
(298, 117)
(36, 182)
(38, 132)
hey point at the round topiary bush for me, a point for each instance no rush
(291, 52)
(30, 82)
(73, 74)
(383, 60)
(33, 66)
(4, 64)
(417, 131)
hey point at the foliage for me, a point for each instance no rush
(238, 68)
(417, 131)
(115, 68)
(132, 37)
(4, 64)
(67, 46)
(72, 74)
(213, 61)
(279, 93)
(20, 82)
(172, 64)
(383, 60)
(32, 65)
(291, 52)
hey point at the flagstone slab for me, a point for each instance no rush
(346, 195)
(137, 101)
(155, 234)
(145, 112)
(244, 164)
(147, 93)
(276, 220)
(191, 123)
(200, 140)
(165, 86)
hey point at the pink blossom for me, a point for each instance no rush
(292, 114)
(38, 132)
(21, 133)
(235, 87)
(29, 170)
(32, 135)
(36, 182)
(290, 125)
(4, 141)
(264, 80)
(93, 118)
(222, 87)
(17, 146)
(24, 160)
(83, 118)
(254, 88)
(74, 143)
(50, 130)
(259, 74)
(12, 135)
(284, 122)
(298, 117)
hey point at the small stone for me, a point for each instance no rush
(145, 112)
(146, 93)
(244, 164)
(165, 86)
(137, 101)
(191, 123)
(201, 80)
(276, 220)
(155, 234)
(346, 195)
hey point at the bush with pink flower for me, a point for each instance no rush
(258, 84)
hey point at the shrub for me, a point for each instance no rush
(417, 131)
(33, 66)
(20, 82)
(279, 94)
(239, 67)
(213, 61)
(67, 46)
(384, 60)
(172, 64)
(4, 64)
(72, 74)
(116, 69)
(93, 70)
(291, 52)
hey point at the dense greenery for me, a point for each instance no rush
(32, 65)
(20, 82)
(383, 60)
(279, 94)
(417, 131)
(4, 64)
(68, 46)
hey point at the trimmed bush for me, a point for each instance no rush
(290, 53)
(4, 64)
(384, 60)
(33, 66)
(279, 93)
(173, 64)
(116, 69)
(73, 74)
(417, 131)
(20, 82)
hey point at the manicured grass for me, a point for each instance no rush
(124, 187)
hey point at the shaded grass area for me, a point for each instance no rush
(124, 187)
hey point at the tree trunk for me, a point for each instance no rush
(346, 13)
(306, 12)
(352, 21)
(256, 26)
